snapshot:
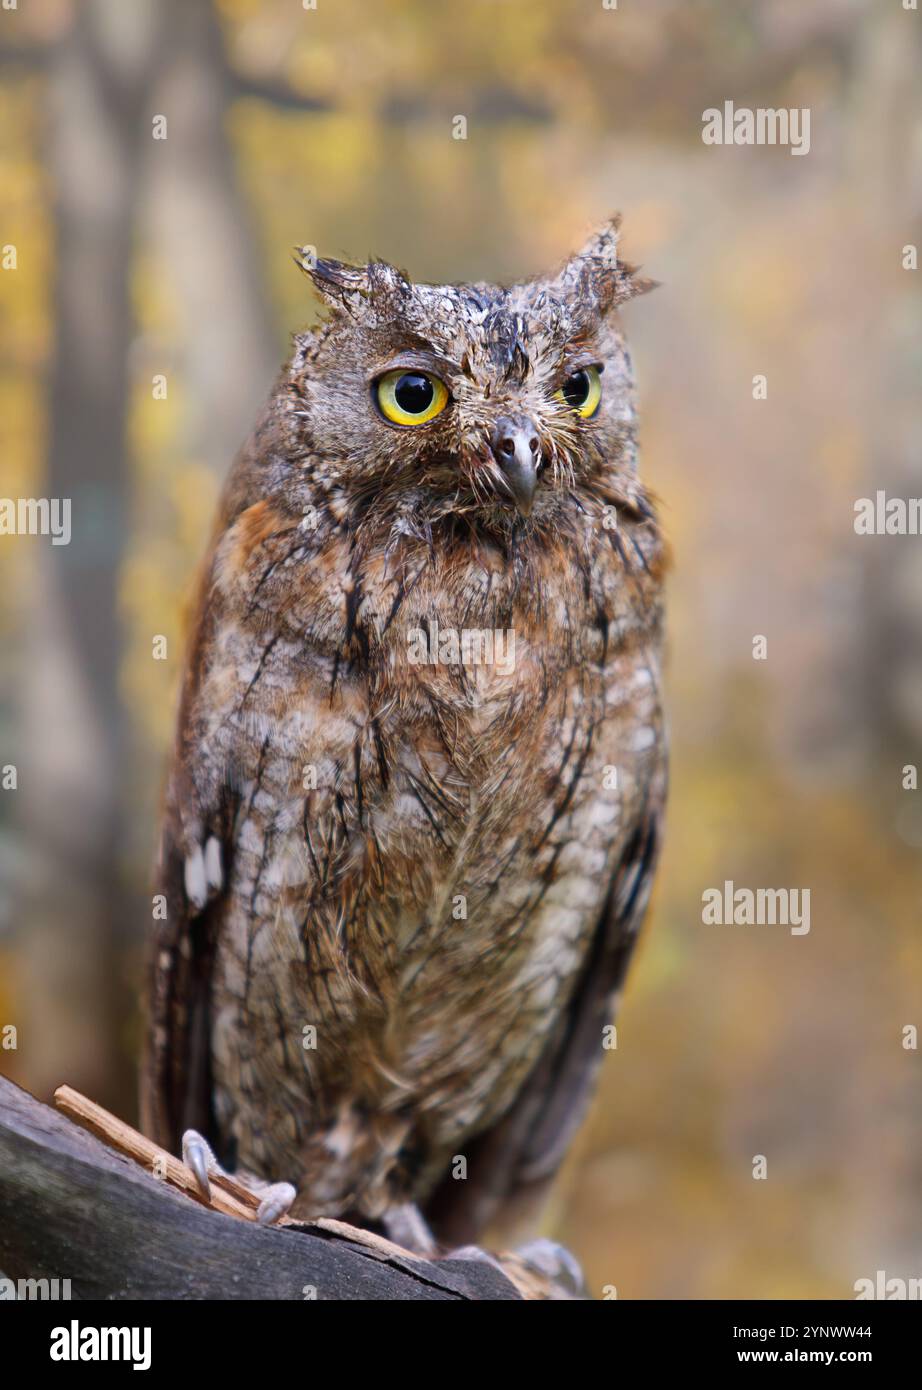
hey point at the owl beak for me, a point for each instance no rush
(517, 450)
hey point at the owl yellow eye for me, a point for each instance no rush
(582, 391)
(410, 398)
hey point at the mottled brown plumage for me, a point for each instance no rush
(440, 868)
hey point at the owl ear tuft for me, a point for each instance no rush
(375, 287)
(598, 270)
(334, 280)
(602, 245)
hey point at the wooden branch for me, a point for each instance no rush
(73, 1207)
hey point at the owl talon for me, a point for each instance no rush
(276, 1201)
(552, 1263)
(555, 1262)
(474, 1252)
(199, 1158)
(405, 1225)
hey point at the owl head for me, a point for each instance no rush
(462, 399)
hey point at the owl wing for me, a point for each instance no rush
(175, 1077)
(175, 1069)
(511, 1166)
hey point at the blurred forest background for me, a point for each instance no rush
(138, 257)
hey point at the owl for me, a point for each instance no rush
(414, 805)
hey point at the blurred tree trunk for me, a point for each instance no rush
(200, 231)
(887, 671)
(73, 730)
(887, 130)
